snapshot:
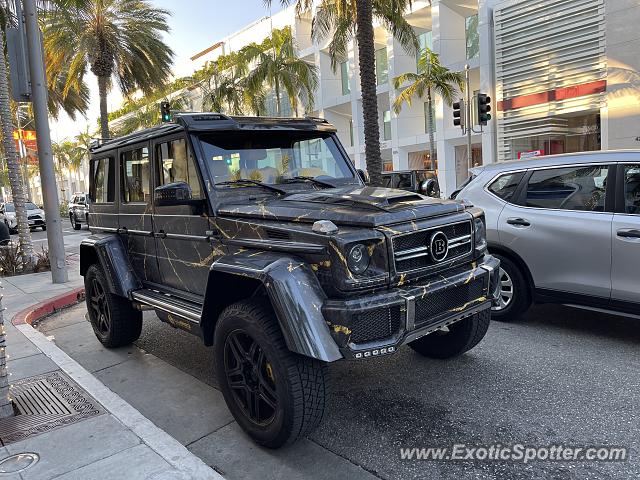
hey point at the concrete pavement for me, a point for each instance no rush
(106, 438)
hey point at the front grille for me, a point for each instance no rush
(376, 324)
(34, 217)
(432, 306)
(412, 250)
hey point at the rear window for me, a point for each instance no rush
(505, 185)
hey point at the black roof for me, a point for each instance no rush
(205, 122)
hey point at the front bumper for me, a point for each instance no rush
(378, 324)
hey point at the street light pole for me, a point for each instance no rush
(45, 156)
(469, 115)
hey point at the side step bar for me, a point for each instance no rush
(169, 303)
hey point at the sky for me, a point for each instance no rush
(195, 25)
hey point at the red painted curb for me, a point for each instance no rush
(42, 309)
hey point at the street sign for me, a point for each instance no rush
(530, 154)
(18, 67)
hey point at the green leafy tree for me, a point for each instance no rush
(278, 67)
(118, 40)
(432, 79)
(345, 20)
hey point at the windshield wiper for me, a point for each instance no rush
(302, 178)
(249, 182)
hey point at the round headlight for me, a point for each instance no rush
(358, 259)
(480, 234)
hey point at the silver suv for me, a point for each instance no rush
(566, 229)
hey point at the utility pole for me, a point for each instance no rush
(45, 156)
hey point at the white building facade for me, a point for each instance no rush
(562, 76)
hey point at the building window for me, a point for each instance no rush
(425, 41)
(426, 118)
(473, 39)
(386, 125)
(344, 77)
(382, 66)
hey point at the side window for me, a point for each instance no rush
(568, 188)
(136, 175)
(632, 189)
(505, 185)
(177, 165)
(102, 180)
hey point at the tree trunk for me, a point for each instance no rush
(104, 114)
(432, 146)
(278, 108)
(367, 61)
(13, 164)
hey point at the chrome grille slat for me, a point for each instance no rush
(411, 250)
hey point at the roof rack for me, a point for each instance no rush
(211, 121)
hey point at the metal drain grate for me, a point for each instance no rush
(44, 403)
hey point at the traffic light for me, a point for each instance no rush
(165, 111)
(458, 114)
(484, 108)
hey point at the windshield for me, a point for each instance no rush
(273, 157)
(8, 207)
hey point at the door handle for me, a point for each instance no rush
(122, 230)
(518, 222)
(629, 233)
(161, 234)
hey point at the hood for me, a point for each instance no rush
(353, 205)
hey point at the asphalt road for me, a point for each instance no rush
(557, 376)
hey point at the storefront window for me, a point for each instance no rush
(422, 160)
(579, 134)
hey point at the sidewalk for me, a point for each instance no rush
(78, 427)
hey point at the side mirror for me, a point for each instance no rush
(171, 194)
(364, 176)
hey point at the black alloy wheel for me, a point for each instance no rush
(98, 302)
(250, 377)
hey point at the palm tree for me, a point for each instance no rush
(278, 66)
(345, 20)
(13, 163)
(432, 78)
(117, 39)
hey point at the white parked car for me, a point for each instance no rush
(35, 216)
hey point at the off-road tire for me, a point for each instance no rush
(460, 337)
(300, 382)
(125, 322)
(521, 299)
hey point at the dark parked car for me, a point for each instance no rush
(258, 236)
(79, 210)
(424, 182)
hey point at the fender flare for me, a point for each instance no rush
(293, 289)
(109, 252)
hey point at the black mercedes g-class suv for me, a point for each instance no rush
(259, 236)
